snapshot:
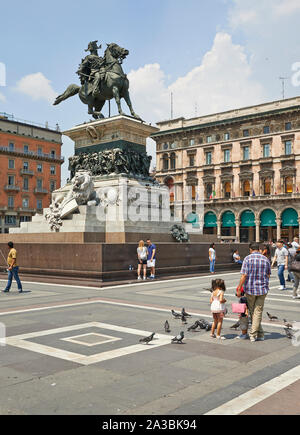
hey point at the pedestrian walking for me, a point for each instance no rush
(13, 269)
(282, 258)
(212, 258)
(266, 251)
(295, 243)
(292, 254)
(256, 271)
(295, 267)
(142, 253)
(151, 258)
(218, 307)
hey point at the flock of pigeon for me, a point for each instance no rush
(202, 324)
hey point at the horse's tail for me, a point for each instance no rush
(69, 92)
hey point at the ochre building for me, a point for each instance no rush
(30, 169)
(246, 165)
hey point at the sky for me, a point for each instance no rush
(213, 55)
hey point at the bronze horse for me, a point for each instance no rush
(115, 85)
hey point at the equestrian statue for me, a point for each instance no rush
(102, 79)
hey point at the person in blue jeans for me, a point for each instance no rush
(212, 258)
(281, 257)
(13, 269)
(151, 259)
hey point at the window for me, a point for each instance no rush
(227, 190)
(10, 220)
(11, 146)
(192, 160)
(194, 194)
(25, 203)
(40, 151)
(25, 166)
(266, 150)
(226, 156)
(11, 202)
(173, 161)
(209, 190)
(11, 180)
(267, 187)
(227, 136)
(288, 126)
(209, 139)
(25, 218)
(173, 145)
(289, 185)
(39, 204)
(39, 183)
(165, 162)
(288, 147)
(192, 142)
(208, 158)
(52, 186)
(26, 149)
(246, 153)
(266, 129)
(166, 146)
(52, 170)
(246, 188)
(246, 133)
(53, 154)
(39, 167)
(25, 184)
(11, 164)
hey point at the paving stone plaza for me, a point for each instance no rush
(66, 344)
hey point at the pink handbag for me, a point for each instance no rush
(239, 308)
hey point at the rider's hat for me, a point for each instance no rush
(93, 45)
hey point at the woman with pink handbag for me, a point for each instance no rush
(218, 307)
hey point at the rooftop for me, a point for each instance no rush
(9, 117)
(229, 116)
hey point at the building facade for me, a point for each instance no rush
(245, 163)
(30, 169)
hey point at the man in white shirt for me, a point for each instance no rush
(282, 258)
(295, 243)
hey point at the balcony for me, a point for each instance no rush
(18, 151)
(26, 172)
(40, 190)
(11, 188)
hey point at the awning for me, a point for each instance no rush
(228, 220)
(268, 219)
(248, 219)
(290, 218)
(210, 220)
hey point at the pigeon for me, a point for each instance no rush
(184, 313)
(194, 326)
(178, 339)
(202, 324)
(235, 326)
(289, 333)
(183, 319)
(147, 339)
(287, 324)
(272, 317)
(176, 315)
(167, 327)
(208, 327)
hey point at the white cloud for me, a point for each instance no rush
(223, 81)
(36, 86)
